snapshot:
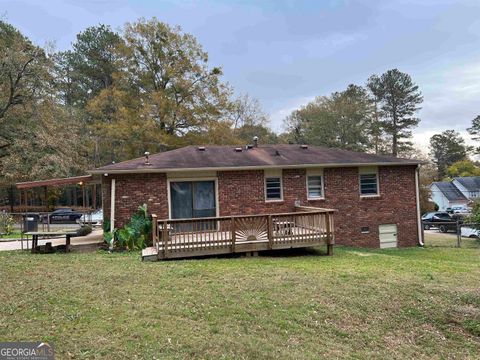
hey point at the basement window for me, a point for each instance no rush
(273, 187)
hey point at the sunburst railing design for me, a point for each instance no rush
(251, 229)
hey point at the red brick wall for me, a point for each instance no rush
(242, 192)
(133, 190)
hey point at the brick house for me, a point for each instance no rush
(375, 197)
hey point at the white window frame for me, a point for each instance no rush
(270, 174)
(311, 173)
(368, 170)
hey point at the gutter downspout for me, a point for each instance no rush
(112, 210)
(419, 215)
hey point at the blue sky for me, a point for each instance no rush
(287, 52)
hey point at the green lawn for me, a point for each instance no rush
(412, 303)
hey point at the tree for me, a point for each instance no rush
(377, 131)
(474, 130)
(87, 69)
(399, 98)
(22, 69)
(169, 70)
(463, 168)
(247, 111)
(446, 149)
(39, 139)
(341, 120)
(428, 174)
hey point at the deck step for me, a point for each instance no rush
(150, 254)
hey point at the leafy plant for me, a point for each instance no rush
(134, 235)
(84, 230)
(109, 238)
(474, 217)
(6, 223)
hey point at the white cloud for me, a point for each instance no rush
(277, 116)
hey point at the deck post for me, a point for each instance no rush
(270, 232)
(233, 230)
(154, 230)
(329, 235)
(165, 238)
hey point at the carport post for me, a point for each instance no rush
(459, 234)
(112, 210)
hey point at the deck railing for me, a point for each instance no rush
(230, 234)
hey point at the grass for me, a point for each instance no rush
(13, 235)
(436, 238)
(409, 303)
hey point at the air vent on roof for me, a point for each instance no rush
(147, 161)
(238, 149)
(304, 146)
(201, 148)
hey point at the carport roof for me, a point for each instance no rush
(54, 182)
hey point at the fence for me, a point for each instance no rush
(451, 234)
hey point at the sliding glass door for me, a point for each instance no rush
(192, 199)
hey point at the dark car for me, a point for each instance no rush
(443, 220)
(63, 215)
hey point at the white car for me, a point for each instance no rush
(95, 218)
(470, 232)
(460, 210)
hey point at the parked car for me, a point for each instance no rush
(439, 219)
(95, 218)
(457, 210)
(62, 215)
(470, 232)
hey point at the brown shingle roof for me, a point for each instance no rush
(226, 157)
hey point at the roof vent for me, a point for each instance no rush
(147, 162)
(304, 146)
(238, 149)
(201, 148)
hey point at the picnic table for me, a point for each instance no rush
(36, 234)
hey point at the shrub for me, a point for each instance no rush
(84, 230)
(6, 223)
(134, 235)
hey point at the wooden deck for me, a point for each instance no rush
(185, 238)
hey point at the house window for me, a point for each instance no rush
(273, 186)
(314, 185)
(368, 181)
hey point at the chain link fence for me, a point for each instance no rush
(451, 234)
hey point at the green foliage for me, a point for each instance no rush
(446, 149)
(463, 168)
(342, 120)
(474, 130)
(84, 230)
(109, 238)
(136, 234)
(6, 223)
(474, 216)
(399, 99)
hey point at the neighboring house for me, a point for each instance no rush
(446, 195)
(468, 185)
(373, 196)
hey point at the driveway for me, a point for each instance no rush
(94, 237)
